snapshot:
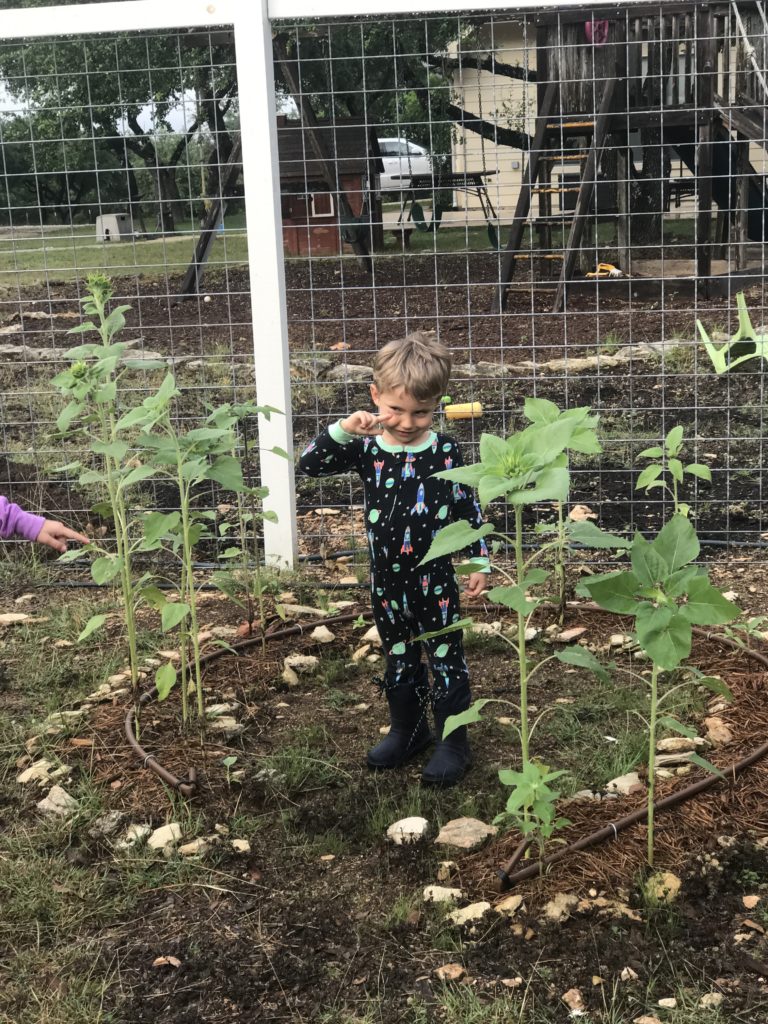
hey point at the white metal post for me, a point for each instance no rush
(261, 178)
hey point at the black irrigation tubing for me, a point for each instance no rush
(188, 786)
(612, 829)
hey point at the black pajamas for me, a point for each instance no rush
(404, 508)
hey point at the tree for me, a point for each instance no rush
(113, 84)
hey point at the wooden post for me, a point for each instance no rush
(623, 156)
(524, 198)
(705, 70)
(742, 234)
(586, 191)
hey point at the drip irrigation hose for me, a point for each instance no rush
(188, 786)
(612, 829)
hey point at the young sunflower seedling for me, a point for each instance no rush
(669, 472)
(667, 595)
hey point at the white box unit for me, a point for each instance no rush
(114, 227)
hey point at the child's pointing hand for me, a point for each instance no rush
(364, 423)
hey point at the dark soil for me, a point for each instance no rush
(285, 935)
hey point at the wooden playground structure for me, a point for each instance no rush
(689, 75)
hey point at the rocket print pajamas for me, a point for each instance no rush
(404, 508)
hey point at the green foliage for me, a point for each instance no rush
(745, 344)
(532, 804)
(667, 597)
(670, 466)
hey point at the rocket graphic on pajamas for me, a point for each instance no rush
(458, 493)
(366, 443)
(378, 465)
(310, 448)
(425, 584)
(434, 445)
(443, 605)
(448, 462)
(388, 610)
(407, 548)
(408, 470)
(406, 609)
(420, 508)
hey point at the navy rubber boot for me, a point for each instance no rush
(452, 756)
(409, 731)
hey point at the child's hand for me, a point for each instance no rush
(364, 423)
(476, 584)
(55, 535)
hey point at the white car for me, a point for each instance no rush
(402, 158)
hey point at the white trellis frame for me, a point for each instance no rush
(251, 23)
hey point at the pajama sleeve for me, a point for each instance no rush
(465, 507)
(333, 451)
(14, 521)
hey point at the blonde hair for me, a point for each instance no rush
(417, 363)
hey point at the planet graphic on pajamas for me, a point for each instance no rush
(399, 648)
(442, 512)
(441, 651)
(373, 515)
(396, 567)
(379, 591)
(438, 590)
(394, 604)
(389, 482)
(447, 447)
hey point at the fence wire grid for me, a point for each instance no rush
(559, 194)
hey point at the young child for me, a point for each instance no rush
(14, 521)
(396, 453)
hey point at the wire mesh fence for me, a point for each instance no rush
(121, 154)
(559, 194)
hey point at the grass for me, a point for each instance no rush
(71, 255)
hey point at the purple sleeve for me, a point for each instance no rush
(14, 521)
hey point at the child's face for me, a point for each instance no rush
(408, 420)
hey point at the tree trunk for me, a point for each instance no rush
(167, 196)
(647, 191)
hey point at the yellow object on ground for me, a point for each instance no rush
(605, 270)
(464, 411)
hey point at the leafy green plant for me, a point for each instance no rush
(246, 582)
(528, 468)
(532, 804)
(667, 596)
(669, 464)
(583, 440)
(93, 414)
(745, 344)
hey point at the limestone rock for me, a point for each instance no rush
(679, 744)
(647, 1018)
(711, 1000)
(574, 1000)
(568, 635)
(322, 635)
(486, 628)
(302, 611)
(625, 784)
(349, 372)
(667, 1004)
(509, 906)
(215, 710)
(663, 887)
(468, 915)
(166, 835)
(408, 830)
(134, 835)
(106, 825)
(37, 772)
(442, 894)
(303, 664)
(559, 907)
(196, 848)
(446, 869)
(361, 652)
(289, 677)
(718, 732)
(226, 727)
(465, 833)
(371, 636)
(241, 846)
(450, 972)
(628, 974)
(58, 802)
